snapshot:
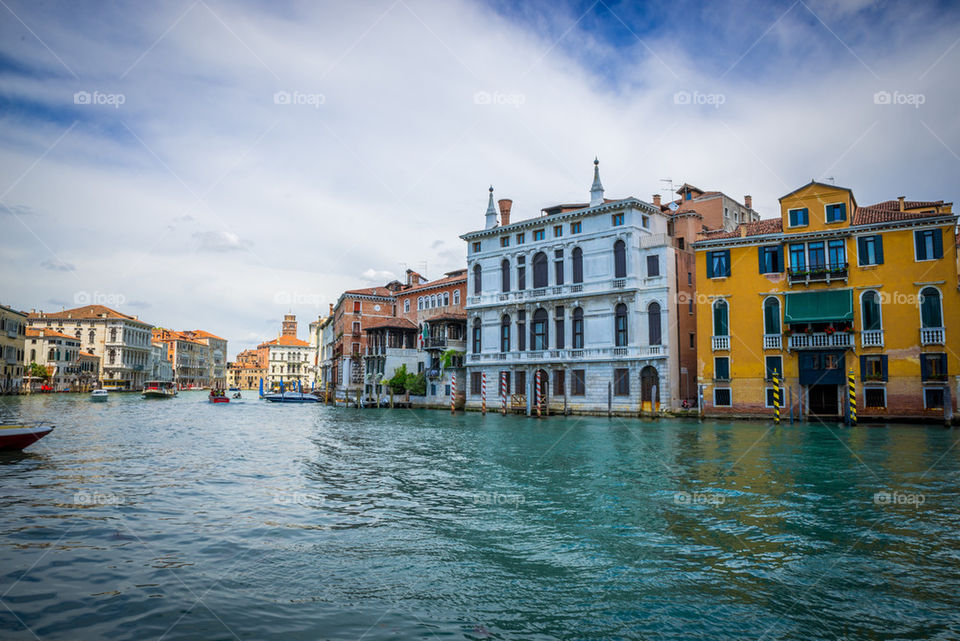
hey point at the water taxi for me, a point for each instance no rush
(99, 395)
(218, 396)
(159, 389)
(17, 437)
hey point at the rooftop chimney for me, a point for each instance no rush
(491, 212)
(656, 200)
(505, 205)
(331, 309)
(748, 201)
(902, 206)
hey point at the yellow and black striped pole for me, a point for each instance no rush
(852, 385)
(776, 397)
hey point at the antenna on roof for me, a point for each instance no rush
(667, 182)
(403, 267)
(424, 264)
(830, 180)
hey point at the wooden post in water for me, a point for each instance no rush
(358, 398)
(537, 377)
(776, 397)
(947, 407)
(391, 398)
(453, 392)
(790, 402)
(852, 386)
(503, 393)
(483, 393)
(609, 399)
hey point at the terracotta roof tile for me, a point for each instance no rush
(371, 291)
(872, 215)
(85, 313)
(894, 205)
(287, 341)
(389, 322)
(43, 332)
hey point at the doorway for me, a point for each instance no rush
(824, 400)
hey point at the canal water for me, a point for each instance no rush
(178, 519)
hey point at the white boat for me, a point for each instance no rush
(99, 395)
(159, 389)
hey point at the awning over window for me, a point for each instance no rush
(827, 306)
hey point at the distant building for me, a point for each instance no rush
(247, 371)
(13, 326)
(189, 358)
(352, 311)
(286, 359)
(161, 369)
(68, 369)
(216, 357)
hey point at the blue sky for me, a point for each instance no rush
(186, 192)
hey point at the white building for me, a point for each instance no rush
(582, 294)
(161, 369)
(288, 361)
(67, 367)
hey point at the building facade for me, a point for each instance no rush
(161, 369)
(13, 328)
(827, 289)
(286, 359)
(68, 369)
(353, 309)
(580, 294)
(189, 358)
(216, 356)
(247, 371)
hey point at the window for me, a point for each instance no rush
(504, 241)
(538, 234)
(771, 316)
(356, 307)
(476, 382)
(681, 242)
(559, 383)
(617, 220)
(505, 333)
(619, 259)
(113, 334)
(456, 297)
(870, 310)
(558, 267)
(721, 397)
(578, 328)
(689, 278)
(721, 368)
(771, 397)
(653, 266)
(690, 306)
(476, 247)
(539, 270)
(873, 367)
(930, 310)
(505, 276)
(932, 398)
(521, 330)
(446, 299)
(836, 212)
(816, 256)
(831, 361)
(578, 382)
(933, 367)
(576, 228)
(476, 335)
(837, 250)
(620, 325)
(774, 365)
(355, 327)
(798, 257)
(645, 222)
(693, 340)
(520, 384)
(539, 335)
(870, 250)
(558, 327)
(718, 264)
(771, 259)
(406, 305)
(621, 382)
(356, 349)
(521, 273)
(720, 319)
(91, 336)
(521, 238)
(558, 231)
(653, 323)
(875, 397)
(799, 217)
(928, 244)
(577, 265)
(477, 280)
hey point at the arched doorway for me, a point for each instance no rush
(649, 379)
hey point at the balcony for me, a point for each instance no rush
(654, 240)
(772, 341)
(932, 336)
(619, 283)
(817, 274)
(720, 343)
(819, 340)
(871, 338)
(567, 355)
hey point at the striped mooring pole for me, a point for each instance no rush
(537, 396)
(483, 392)
(776, 397)
(503, 393)
(453, 392)
(852, 390)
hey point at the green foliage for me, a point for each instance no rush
(38, 371)
(446, 359)
(398, 383)
(416, 384)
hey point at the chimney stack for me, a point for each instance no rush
(656, 200)
(505, 205)
(901, 199)
(748, 201)
(331, 309)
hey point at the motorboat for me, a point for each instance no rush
(291, 397)
(218, 396)
(159, 389)
(233, 389)
(99, 395)
(17, 437)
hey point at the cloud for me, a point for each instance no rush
(378, 276)
(57, 265)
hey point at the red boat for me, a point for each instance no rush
(217, 396)
(17, 437)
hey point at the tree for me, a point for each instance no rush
(446, 359)
(398, 383)
(38, 371)
(416, 384)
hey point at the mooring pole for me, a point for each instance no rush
(852, 385)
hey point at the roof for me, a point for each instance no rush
(447, 316)
(755, 228)
(872, 215)
(12, 310)
(87, 312)
(42, 332)
(88, 354)
(287, 341)
(167, 335)
(371, 291)
(201, 333)
(389, 322)
(819, 184)
(459, 276)
(894, 205)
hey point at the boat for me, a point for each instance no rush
(236, 395)
(99, 395)
(233, 389)
(291, 397)
(17, 437)
(217, 396)
(159, 389)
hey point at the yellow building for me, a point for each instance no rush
(828, 288)
(13, 327)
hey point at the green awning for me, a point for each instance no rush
(827, 306)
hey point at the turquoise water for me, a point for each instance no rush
(178, 519)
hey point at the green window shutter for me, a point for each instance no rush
(863, 368)
(878, 244)
(921, 248)
(862, 248)
(709, 264)
(762, 252)
(883, 366)
(842, 208)
(938, 243)
(924, 370)
(726, 263)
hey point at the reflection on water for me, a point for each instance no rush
(180, 519)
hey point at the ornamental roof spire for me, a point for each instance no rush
(596, 190)
(491, 212)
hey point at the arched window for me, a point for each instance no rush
(112, 356)
(33, 356)
(476, 336)
(539, 270)
(113, 334)
(433, 302)
(620, 325)
(578, 328)
(619, 259)
(721, 325)
(771, 316)
(870, 310)
(930, 311)
(505, 333)
(577, 265)
(91, 336)
(653, 323)
(505, 276)
(477, 280)
(539, 334)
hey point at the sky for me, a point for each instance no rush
(215, 165)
